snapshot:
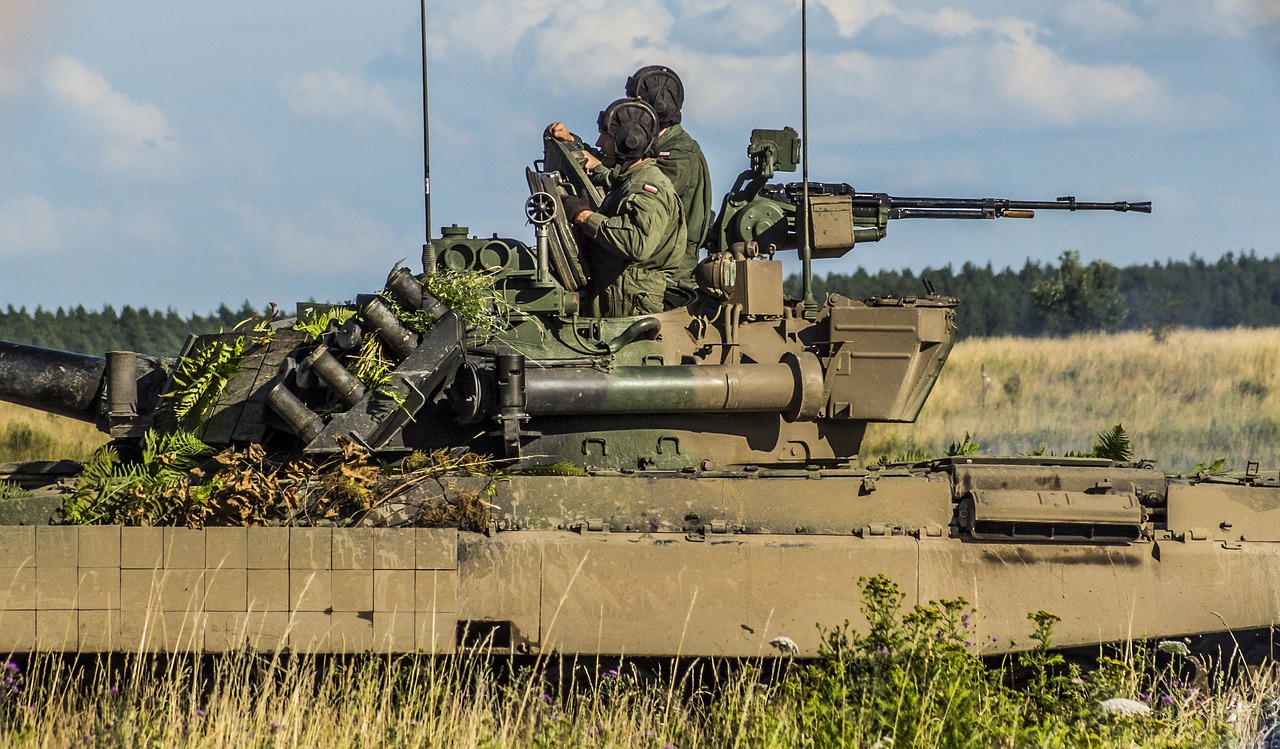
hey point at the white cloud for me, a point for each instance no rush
(136, 137)
(32, 224)
(852, 16)
(997, 73)
(974, 68)
(753, 22)
(600, 44)
(1037, 81)
(490, 30)
(345, 96)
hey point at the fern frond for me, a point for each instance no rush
(914, 455)
(1214, 467)
(147, 492)
(200, 378)
(1113, 444)
(318, 321)
(963, 449)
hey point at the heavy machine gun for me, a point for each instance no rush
(840, 216)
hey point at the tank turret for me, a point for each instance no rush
(729, 376)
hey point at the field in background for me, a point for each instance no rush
(1194, 397)
(26, 434)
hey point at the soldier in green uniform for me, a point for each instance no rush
(638, 236)
(679, 157)
(677, 154)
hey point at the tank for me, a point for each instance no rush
(684, 483)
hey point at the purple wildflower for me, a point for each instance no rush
(200, 713)
(968, 643)
(546, 697)
(114, 690)
(1166, 699)
(11, 666)
(611, 672)
(1144, 697)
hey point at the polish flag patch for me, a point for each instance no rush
(650, 188)
(664, 154)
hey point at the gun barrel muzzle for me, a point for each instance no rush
(60, 382)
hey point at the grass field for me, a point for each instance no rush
(1194, 397)
(27, 434)
(910, 682)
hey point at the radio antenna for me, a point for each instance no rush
(806, 251)
(428, 250)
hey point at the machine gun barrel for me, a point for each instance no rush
(841, 217)
(983, 207)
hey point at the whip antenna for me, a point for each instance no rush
(806, 251)
(428, 250)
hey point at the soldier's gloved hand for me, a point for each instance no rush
(560, 132)
(575, 206)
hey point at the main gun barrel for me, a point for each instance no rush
(60, 382)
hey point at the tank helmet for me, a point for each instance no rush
(634, 127)
(660, 88)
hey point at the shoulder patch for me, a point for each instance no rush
(664, 154)
(650, 188)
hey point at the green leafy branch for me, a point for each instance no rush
(147, 492)
(474, 297)
(318, 321)
(200, 377)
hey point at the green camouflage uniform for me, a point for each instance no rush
(680, 158)
(638, 240)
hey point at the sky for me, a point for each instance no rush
(185, 155)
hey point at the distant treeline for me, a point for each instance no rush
(93, 332)
(1237, 290)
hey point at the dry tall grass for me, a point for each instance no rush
(465, 702)
(27, 434)
(1194, 397)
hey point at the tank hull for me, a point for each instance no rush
(643, 565)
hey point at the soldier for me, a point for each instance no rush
(638, 236)
(678, 156)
